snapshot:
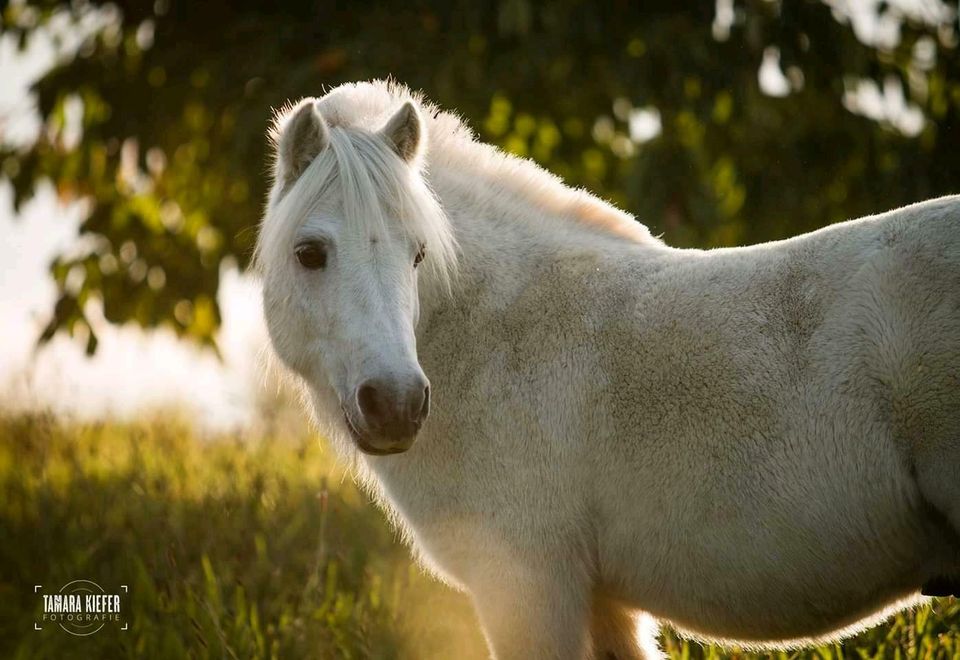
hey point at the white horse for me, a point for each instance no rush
(760, 445)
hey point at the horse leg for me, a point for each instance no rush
(617, 633)
(940, 485)
(533, 613)
(934, 429)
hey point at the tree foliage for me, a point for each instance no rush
(175, 98)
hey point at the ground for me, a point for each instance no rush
(248, 546)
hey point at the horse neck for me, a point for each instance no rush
(506, 244)
(505, 236)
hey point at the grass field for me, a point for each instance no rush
(247, 547)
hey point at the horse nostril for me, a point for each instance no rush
(425, 406)
(370, 402)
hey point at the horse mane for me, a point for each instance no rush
(453, 147)
(372, 179)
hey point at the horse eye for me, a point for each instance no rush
(421, 253)
(312, 255)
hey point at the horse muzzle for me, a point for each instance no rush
(391, 413)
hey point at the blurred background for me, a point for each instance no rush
(141, 442)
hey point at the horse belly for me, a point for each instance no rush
(762, 562)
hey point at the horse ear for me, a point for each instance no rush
(404, 132)
(303, 137)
